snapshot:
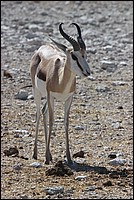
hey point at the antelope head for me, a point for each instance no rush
(77, 55)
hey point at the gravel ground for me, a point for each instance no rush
(101, 115)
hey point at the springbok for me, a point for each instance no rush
(53, 71)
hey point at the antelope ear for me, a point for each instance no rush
(60, 46)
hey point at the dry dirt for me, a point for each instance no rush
(101, 116)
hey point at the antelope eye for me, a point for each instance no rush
(74, 57)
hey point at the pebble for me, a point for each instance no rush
(110, 66)
(107, 183)
(54, 190)
(123, 63)
(79, 154)
(11, 151)
(117, 162)
(112, 155)
(7, 74)
(103, 19)
(93, 51)
(90, 188)
(79, 178)
(91, 78)
(30, 97)
(22, 95)
(116, 125)
(36, 164)
(78, 128)
(119, 83)
(102, 88)
(108, 48)
(17, 167)
(23, 131)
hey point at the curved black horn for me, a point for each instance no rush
(75, 45)
(79, 38)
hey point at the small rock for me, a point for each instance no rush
(103, 19)
(110, 66)
(123, 63)
(31, 35)
(25, 158)
(30, 97)
(22, 95)
(59, 169)
(117, 161)
(91, 78)
(70, 190)
(35, 164)
(119, 83)
(107, 183)
(79, 178)
(11, 151)
(92, 22)
(93, 51)
(54, 190)
(102, 88)
(7, 74)
(17, 167)
(112, 155)
(79, 154)
(116, 125)
(108, 48)
(120, 107)
(23, 131)
(90, 188)
(34, 27)
(78, 128)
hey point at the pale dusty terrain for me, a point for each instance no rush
(101, 116)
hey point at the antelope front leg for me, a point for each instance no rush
(51, 119)
(66, 124)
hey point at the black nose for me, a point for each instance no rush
(88, 72)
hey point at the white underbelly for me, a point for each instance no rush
(61, 96)
(41, 86)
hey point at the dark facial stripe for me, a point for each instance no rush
(79, 65)
(76, 59)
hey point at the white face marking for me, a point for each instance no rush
(82, 69)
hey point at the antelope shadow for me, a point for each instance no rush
(75, 166)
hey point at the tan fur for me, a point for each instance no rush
(33, 67)
(54, 70)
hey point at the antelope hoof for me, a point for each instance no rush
(47, 162)
(70, 162)
(48, 159)
(34, 156)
